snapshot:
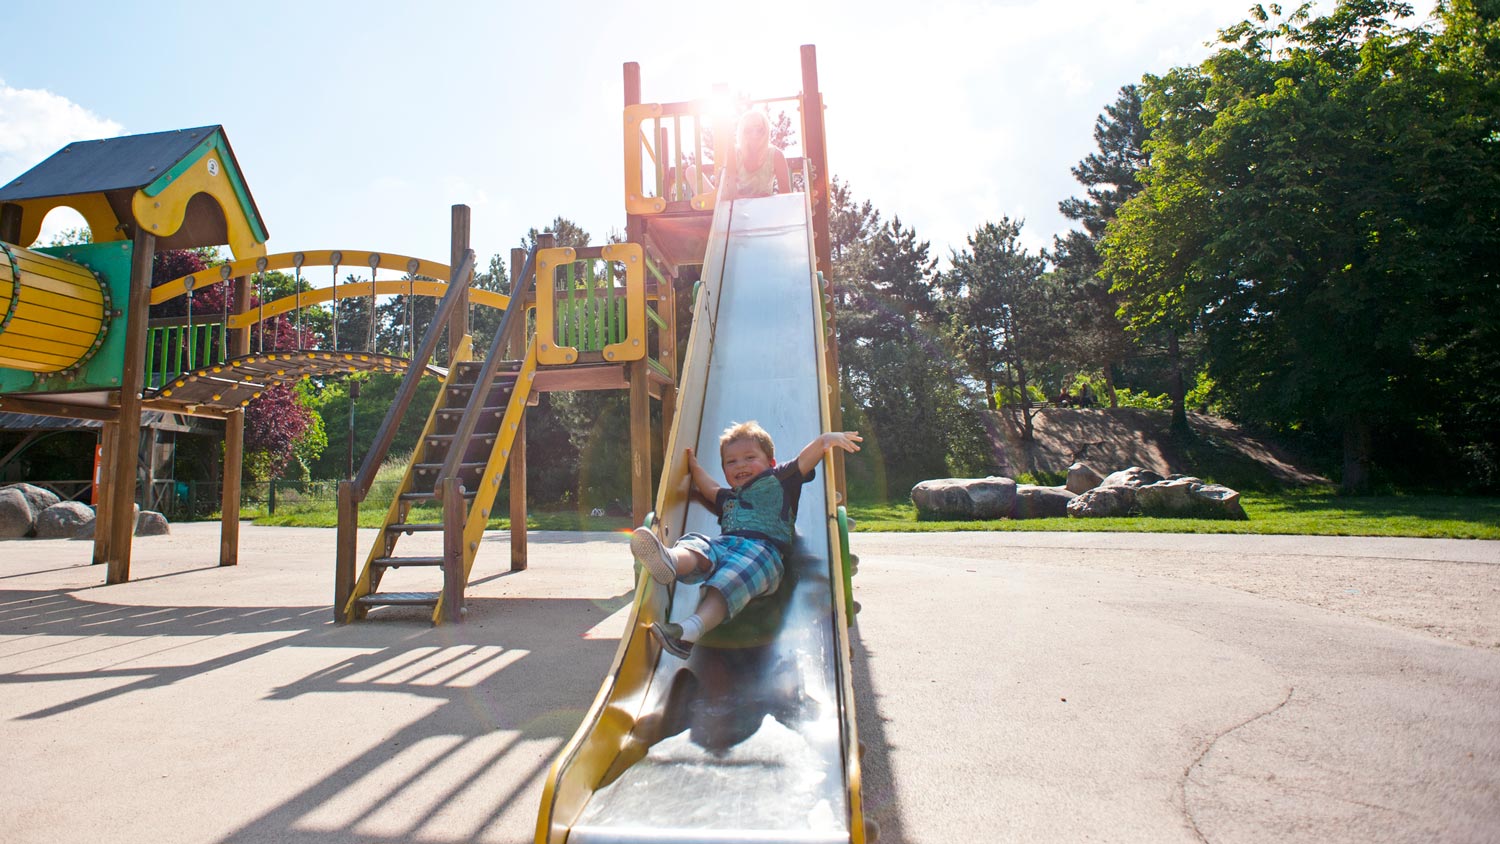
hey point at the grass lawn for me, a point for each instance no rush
(1306, 512)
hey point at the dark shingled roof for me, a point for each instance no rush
(127, 163)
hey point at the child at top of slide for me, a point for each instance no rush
(755, 167)
(757, 512)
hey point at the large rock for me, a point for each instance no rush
(16, 516)
(1222, 501)
(1082, 478)
(1171, 497)
(1135, 476)
(1041, 502)
(151, 523)
(1103, 501)
(964, 498)
(38, 497)
(1186, 497)
(65, 520)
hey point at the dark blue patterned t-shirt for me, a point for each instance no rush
(765, 507)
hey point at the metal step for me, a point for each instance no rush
(398, 562)
(430, 496)
(414, 527)
(424, 468)
(399, 599)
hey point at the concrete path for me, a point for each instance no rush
(1029, 687)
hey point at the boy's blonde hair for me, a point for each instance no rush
(748, 431)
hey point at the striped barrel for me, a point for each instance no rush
(53, 311)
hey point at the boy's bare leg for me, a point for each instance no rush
(711, 609)
(686, 561)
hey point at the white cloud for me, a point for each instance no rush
(35, 123)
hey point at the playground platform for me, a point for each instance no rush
(1010, 687)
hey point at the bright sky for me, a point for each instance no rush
(357, 125)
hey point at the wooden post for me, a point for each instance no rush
(458, 322)
(666, 301)
(454, 508)
(10, 223)
(234, 443)
(132, 380)
(345, 547)
(517, 465)
(815, 146)
(108, 436)
(640, 441)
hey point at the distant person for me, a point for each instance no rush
(755, 168)
(1063, 399)
(1085, 396)
(756, 512)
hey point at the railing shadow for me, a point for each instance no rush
(449, 775)
(878, 785)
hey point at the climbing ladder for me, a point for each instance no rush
(478, 451)
(587, 322)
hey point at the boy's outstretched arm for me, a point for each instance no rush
(812, 455)
(706, 485)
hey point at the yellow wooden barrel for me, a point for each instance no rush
(52, 311)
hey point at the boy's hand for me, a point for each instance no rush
(813, 454)
(847, 440)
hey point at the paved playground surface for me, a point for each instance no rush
(1016, 686)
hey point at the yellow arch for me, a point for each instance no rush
(163, 214)
(353, 258)
(104, 226)
(435, 289)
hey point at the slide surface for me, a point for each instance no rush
(752, 738)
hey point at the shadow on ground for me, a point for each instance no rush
(497, 680)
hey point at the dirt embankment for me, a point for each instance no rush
(1110, 439)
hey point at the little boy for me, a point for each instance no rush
(756, 518)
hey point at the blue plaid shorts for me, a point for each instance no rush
(743, 568)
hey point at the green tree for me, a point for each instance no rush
(901, 385)
(1097, 338)
(1005, 315)
(1323, 197)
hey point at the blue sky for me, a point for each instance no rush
(357, 125)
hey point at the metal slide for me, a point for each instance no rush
(752, 739)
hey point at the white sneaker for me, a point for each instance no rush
(653, 555)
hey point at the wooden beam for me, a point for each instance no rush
(132, 381)
(517, 467)
(234, 444)
(346, 545)
(42, 407)
(458, 322)
(452, 494)
(640, 442)
(108, 435)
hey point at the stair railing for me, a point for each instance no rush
(467, 422)
(457, 285)
(352, 492)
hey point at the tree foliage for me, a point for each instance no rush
(1322, 198)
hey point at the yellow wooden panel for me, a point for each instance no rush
(636, 201)
(547, 262)
(22, 326)
(633, 347)
(104, 226)
(163, 214)
(72, 320)
(83, 290)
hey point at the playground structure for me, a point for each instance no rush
(765, 704)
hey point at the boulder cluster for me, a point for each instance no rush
(28, 511)
(1128, 492)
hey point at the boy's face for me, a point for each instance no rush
(743, 460)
